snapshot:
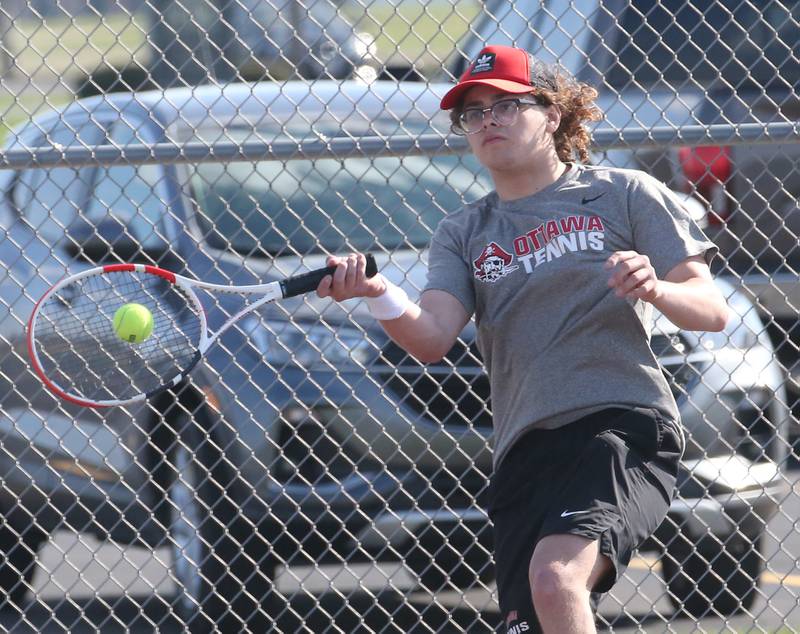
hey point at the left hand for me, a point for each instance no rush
(632, 276)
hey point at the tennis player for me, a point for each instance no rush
(561, 266)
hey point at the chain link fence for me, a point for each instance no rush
(312, 476)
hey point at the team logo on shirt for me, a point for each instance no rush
(493, 263)
(556, 238)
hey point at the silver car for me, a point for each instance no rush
(306, 436)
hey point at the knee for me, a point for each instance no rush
(553, 583)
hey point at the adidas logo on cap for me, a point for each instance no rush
(483, 64)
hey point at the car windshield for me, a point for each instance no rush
(326, 205)
(705, 41)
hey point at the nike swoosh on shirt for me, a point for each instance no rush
(585, 200)
(568, 513)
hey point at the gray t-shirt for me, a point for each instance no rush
(556, 341)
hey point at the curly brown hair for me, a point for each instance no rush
(552, 85)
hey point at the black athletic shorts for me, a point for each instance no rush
(608, 476)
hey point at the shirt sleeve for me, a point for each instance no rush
(447, 269)
(662, 228)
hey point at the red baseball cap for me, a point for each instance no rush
(503, 67)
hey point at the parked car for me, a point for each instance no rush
(306, 436)
(220, 41)
(679, 63)
(223, 41)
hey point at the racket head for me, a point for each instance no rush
(75, 351)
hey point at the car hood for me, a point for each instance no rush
(637, 108)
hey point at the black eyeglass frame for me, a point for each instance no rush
(458, 128)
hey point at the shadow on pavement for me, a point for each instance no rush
(387, 611)
(356, 612)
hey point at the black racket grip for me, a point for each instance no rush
(307, 282)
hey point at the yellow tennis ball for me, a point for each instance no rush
(133, 323)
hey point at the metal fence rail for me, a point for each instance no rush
(374, 147)
(311, 476)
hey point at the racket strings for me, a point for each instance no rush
(80, 352)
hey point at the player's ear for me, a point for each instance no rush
(553, 114)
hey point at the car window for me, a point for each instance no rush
(705, 41)
(134, 195)
(51, 200)
(304, 206)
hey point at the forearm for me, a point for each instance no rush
(695, 304)
(426, 330)
(419, 333)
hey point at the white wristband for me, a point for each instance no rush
(391, 304)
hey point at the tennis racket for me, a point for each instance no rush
(79, 356)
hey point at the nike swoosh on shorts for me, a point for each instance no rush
(567, 513)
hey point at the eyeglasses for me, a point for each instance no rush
(504, 112)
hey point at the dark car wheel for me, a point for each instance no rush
(224, 578)
(18, 547)
(713, 577)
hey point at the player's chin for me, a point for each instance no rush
(496, 158)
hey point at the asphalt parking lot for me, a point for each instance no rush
(84, 585)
